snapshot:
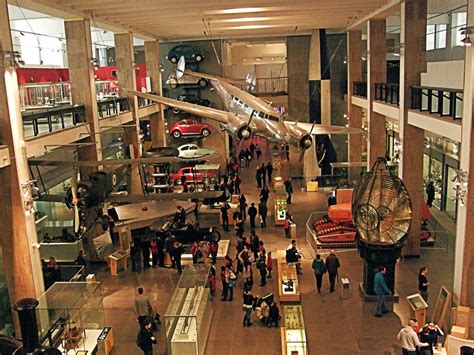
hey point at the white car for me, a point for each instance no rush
(191, 151)
(186, 80)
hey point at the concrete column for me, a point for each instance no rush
(376, 73)
(464, 250)
(83, 91)
(24, 274)
(157, 120)
(124, 59)
(354, 112)
(412, 63)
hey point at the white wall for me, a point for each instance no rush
(447, 74)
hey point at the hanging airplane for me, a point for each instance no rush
(249, 115)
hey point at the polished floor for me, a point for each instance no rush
(333, 326)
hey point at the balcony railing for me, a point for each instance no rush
(142, 102)
(113, 106)
(440, 101)
(388, 93)
(359, 88)
(52, 119)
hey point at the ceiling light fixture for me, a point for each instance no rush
(249, 27)
(242, 10)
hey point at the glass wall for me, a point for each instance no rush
(440, 161)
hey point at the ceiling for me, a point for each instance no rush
(188, 19)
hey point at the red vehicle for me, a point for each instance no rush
(190, 127)
(192, 175)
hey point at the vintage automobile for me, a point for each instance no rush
(189, 232)
(193, 151)
(186, 80)
(190, 127)
(192, 99)
(190, 54)
(193, 175)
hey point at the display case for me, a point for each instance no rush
(106, 88)
(293, 336)
(280, 208)
(189, 314)
(288, 286)
(37, 95)
(71, 316)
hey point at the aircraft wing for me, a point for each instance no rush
(323, 129)
(202, 111)
(166, 196)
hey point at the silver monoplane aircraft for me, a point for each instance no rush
(249, 115)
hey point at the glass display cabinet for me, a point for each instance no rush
(38, 95)
(189, 314)
(293, 336)
(288, 286)
(106, 88)
(71, 316)
(280, 207)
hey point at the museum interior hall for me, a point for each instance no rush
(236, 177)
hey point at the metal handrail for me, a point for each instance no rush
(439, 101)
(359, 88)
(387, 92)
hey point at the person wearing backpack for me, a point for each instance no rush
(319, 268)
(145, 338)
(262, 267)
(230, 279)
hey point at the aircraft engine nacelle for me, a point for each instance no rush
(305, 142)
(238, 128)
(300, 137)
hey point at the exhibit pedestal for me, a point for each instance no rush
(418, 308)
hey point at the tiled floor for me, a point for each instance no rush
(333, 326)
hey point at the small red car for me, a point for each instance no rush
(190, 127)
(191, 176)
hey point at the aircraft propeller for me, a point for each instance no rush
(75, 200)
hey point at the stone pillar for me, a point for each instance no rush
(297, 52)
(23, 270)
(354, 112)
(157, 120)
(412, 63)
(464, 250)
(319, 79)
(82, 81)
(376, 73)
(124, 59)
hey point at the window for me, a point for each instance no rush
(459, 20)
(436, 36)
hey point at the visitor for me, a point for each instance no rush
(262, 268)
(258, 151)
(177, 252)
(230, 279)
(381, 289)
(237, 182)
(429, 334)
(288, 225)
(143, 307)
(262, 211)
(269, 172)
(289, 190)
(261, 248)
(430, 193)
(293, 256)
(423, 283)
(319, 268)
(239, 226)
(247, 307)
(252, 212)
(145, 338)
(154, 252)
(225, 286)
(269, 264)
(254, 244)
(258, 177)
(225, 217)
(169, 245)
(213, 249)
(287, 151)
(145, 245)
(247, 275)
(273, 315)
(252, 149)
(135, 255)
(264, 193)
(332, 199)
(242, 205)
(263, 171)
(332, 266)
(409, 341)
(81, 261)
(212, 281)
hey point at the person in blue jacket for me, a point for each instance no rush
(381, 289)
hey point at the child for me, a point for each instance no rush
(269, 264)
